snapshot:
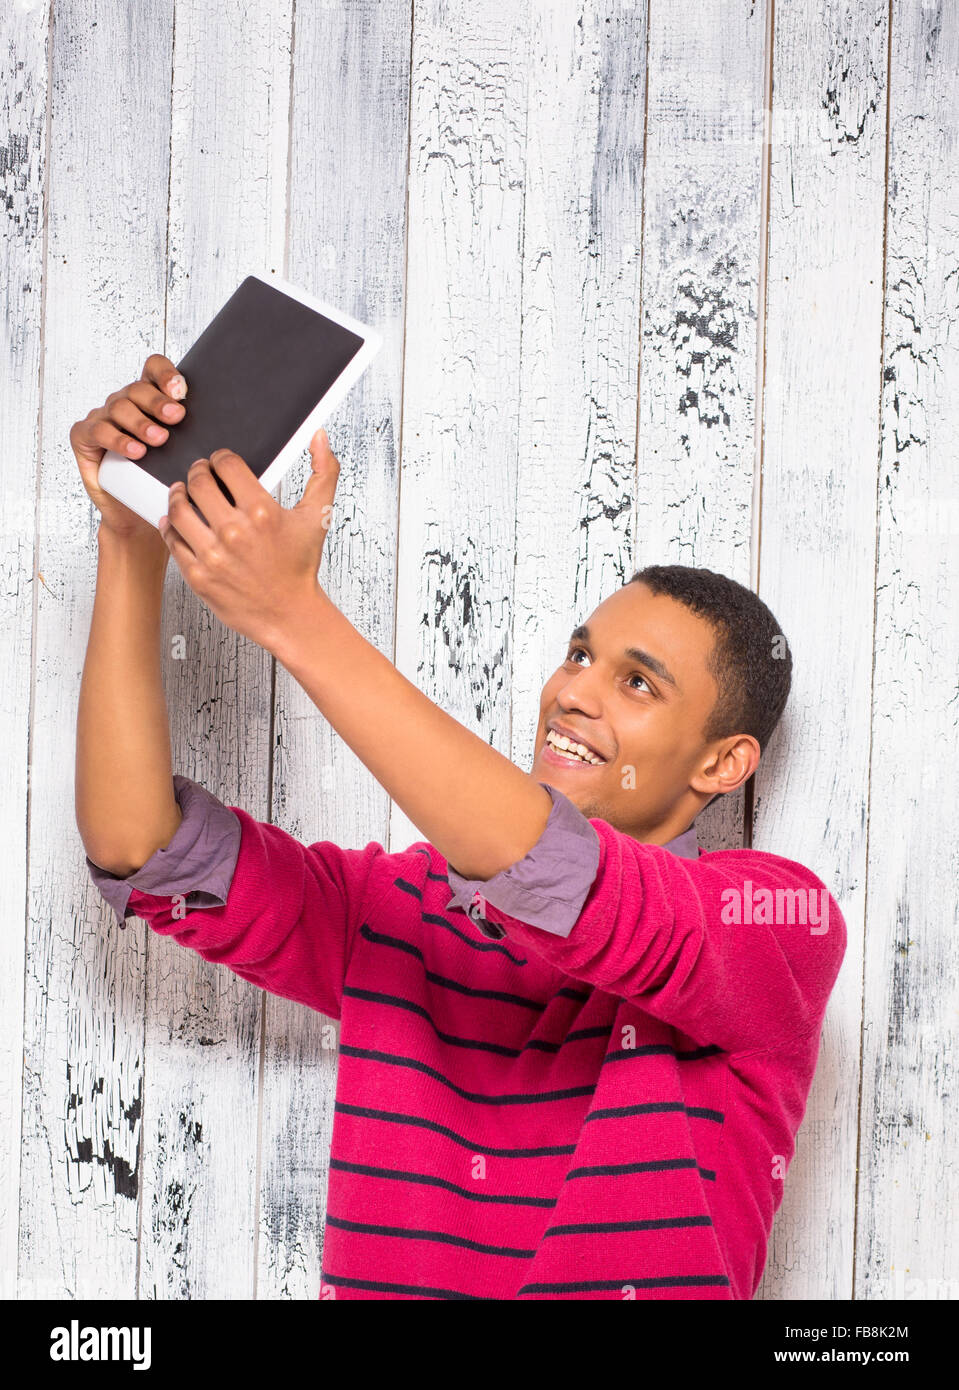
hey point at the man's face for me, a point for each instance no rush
(643, 716)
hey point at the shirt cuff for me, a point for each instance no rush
(198, 863)
(547, 888)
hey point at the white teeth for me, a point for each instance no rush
(567, 745)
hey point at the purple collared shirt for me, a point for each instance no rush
(198, 862)
(546, 888)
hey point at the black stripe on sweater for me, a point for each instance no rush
(655, 1165)
(434, 917)
(442, 1237)
(435, 920)
(654, 1107)
(398, 944)
(690, 1054)
(666, 1281)
(440, 878)
(378, 1286)
(664, 1223)
(428, 1180)
(396, 1001)
(395, 1117)
(566, 992)
(507, 1098)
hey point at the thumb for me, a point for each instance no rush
(321, 485)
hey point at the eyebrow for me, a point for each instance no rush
(652, 663)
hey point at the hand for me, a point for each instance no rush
(128, 424)
(253, 562)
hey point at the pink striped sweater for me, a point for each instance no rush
(603, 1112)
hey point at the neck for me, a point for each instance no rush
(678, 821)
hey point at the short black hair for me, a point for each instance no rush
(750, 660)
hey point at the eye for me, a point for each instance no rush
(636, 676)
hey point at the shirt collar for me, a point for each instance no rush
(686, 845)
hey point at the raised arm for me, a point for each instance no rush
(124, 798)
(255, 564)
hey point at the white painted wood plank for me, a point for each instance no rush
(908, 1174)
(461, 368)
(582, 234)
(228, 156)
(347, 238)
(83, 1040)
(584, 226)
(697, 446)
(824, 310)
(23, 99)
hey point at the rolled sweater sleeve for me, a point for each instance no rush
(545, 889)
(248, 895)
(197, 865)
(738, 949)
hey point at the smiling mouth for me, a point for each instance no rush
(561, 750)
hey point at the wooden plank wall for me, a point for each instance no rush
(658, 283)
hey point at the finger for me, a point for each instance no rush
(164, 374)
(188, 523)
(155, 403)
(83, 445)
(321, 484)
(128, 416)
(100, 432)
(205, 491)
(176, 545)
(247, 490)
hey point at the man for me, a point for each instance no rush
(582, 1075)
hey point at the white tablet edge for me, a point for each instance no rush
(137, 489)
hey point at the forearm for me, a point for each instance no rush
(124, 801)
(480, 811)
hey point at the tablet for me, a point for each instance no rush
(262, 377)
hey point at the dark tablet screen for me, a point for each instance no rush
(253, 376)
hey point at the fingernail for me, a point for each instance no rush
(172, 411)
(177, 387)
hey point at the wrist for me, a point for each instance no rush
(130, 563)
(302, 624)
(146, 544)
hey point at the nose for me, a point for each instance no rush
(580, 693)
